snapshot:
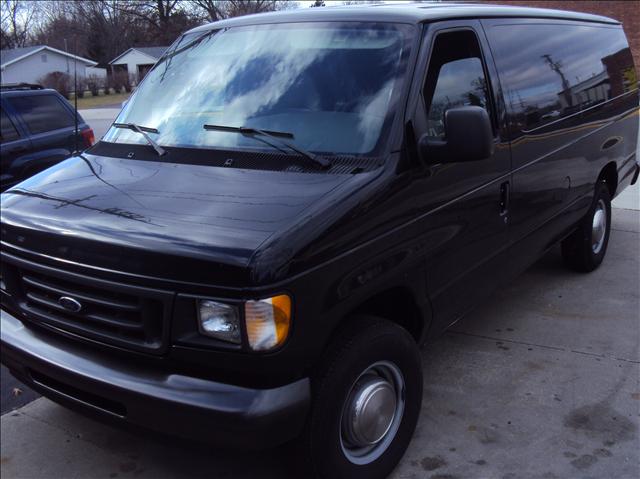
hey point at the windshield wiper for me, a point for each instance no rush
(142, 129)
(276, 136)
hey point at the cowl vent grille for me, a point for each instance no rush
(251, 160)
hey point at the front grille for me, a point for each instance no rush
(131, 317)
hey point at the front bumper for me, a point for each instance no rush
(115, 389)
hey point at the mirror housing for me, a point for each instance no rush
(468, 137)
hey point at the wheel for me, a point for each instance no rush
(585, 248)
(367, 397)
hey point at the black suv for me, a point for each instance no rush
(37, 131)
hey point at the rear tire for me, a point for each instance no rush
(585, 248)
(367, 398)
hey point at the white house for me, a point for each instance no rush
(137, 61)
(30, 64)
(98, 72)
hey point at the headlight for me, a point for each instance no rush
(219, 320)
(268, 322)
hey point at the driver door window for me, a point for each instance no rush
(456, 78)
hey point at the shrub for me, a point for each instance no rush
(59, 81)
(93, 83)
(115, 82)
(81, 86)
(106, 85)
(128, 83)
(121, 81)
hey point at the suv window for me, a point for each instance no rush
(42, 112)
(456, 78)
(8, 132)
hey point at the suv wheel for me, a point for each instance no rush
(585, 248)
(367, 399)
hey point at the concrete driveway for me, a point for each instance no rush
(542, 381)
(99, 119)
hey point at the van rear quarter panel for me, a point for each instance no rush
(572, 105)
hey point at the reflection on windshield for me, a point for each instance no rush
(331, 85)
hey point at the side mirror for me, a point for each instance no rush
(468, 137)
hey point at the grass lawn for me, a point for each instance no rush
(89, 101)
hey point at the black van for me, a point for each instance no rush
(290, 204)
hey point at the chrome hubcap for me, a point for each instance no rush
(598, 227)
(372, 412)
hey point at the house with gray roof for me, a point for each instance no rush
(137, 61)
(30, 64)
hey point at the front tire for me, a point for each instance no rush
(585, 248)
(367, 398)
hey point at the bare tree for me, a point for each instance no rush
(155, 12)
(16, 18)
(245, 7)
(96, 29)
(214, 9)
(220, 9)
(164, 19)
(110, 31)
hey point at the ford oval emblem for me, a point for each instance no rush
(70, 304)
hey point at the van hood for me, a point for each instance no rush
(173, 221)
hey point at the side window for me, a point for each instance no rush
(552, 71)
(42, 112)
(8, 132)
(456, 78)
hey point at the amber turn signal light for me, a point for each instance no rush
(267, 321)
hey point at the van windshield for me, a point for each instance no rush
(334, 86)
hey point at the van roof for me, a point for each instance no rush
(405, 13)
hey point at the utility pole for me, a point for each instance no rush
(557, 67)
(66, 50)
